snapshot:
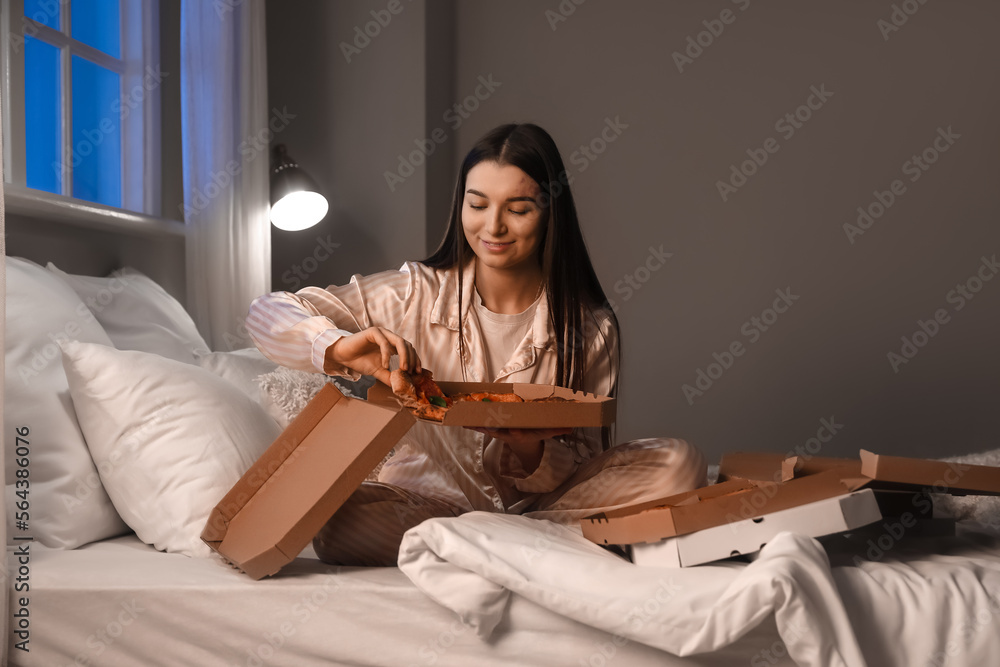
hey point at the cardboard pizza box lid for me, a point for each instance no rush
(586, 410)
(903, 473)
(755, 466)
(936, 476)
(800, 466)
(272, 513)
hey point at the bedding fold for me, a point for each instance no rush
(882, 612)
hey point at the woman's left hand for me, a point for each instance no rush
(526, 443)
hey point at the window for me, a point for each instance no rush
(81, 110)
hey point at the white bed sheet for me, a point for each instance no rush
(119, 602)
(908, 600)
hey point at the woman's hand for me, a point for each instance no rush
(526, 443)
(369, 351)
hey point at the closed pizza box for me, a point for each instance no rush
(716, 505)
(743, 538)
(583, 410)
(272, 513)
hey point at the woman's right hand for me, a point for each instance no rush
(368, 352)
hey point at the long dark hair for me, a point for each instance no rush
(571, 284)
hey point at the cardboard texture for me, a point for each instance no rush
(716, 505)
(588, 410)
(754, 466)
(746, 537)
(284, 499)
(800, 466)
(939, 476)
(803, 480)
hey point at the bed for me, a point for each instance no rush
(132, 429)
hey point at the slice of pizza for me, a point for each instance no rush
(419, 391)
(488, 397)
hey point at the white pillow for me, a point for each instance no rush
(170, 439)
(138, 314)
(240, 367)
(286, 391)
(68, 507)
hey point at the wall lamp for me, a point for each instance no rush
(295, 200)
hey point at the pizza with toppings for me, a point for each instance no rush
(424, 397)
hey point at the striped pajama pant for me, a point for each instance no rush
(369, 527)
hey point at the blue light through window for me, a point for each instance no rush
(41, 118)
(45, 12)
(97, 153)
(96, 23)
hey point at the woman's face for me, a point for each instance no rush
(501, 216)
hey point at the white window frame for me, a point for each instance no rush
(140, 128)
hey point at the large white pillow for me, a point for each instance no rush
(67, 505)
(239, 367)
(138, 314)
(170, 439)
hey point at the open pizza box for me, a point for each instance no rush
(777, 485)
(272, 513)
(581, 409)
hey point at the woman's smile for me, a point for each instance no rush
(496, 246)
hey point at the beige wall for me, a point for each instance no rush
(655, 185)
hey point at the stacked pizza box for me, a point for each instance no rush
(761, 494)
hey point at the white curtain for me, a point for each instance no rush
(226, 164)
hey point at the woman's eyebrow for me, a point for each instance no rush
(480, 194)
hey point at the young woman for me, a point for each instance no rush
(510, 296)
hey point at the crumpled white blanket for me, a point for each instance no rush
(899, 608)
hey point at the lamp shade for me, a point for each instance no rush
(295, 199)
